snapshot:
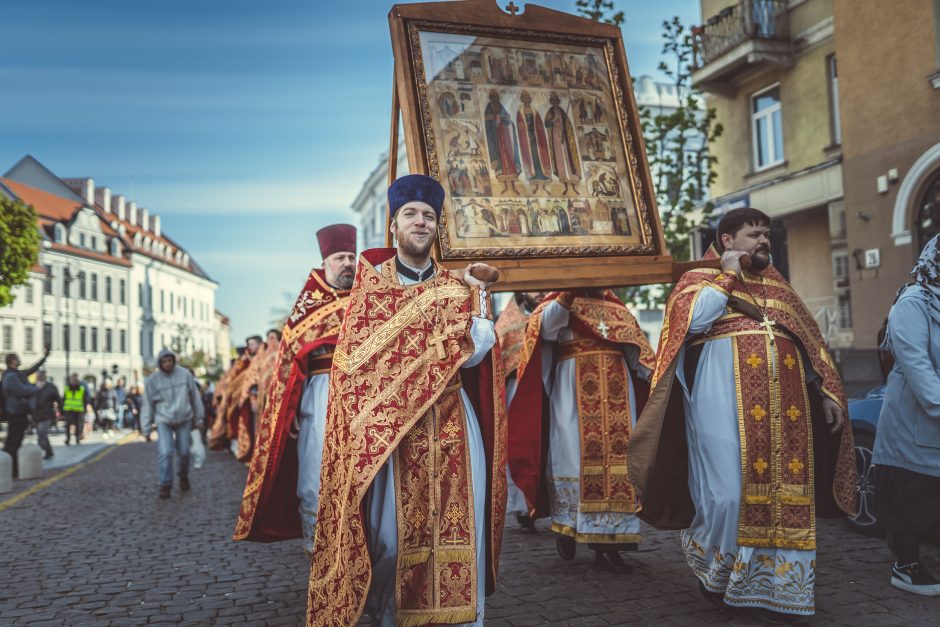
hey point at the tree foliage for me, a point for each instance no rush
(600, 11)
(19, 246)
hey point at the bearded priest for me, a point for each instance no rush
(280, 499)
(742, 443)
(582, 381)
(414, 482)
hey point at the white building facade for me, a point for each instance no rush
(110, 290)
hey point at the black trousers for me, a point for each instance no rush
(74, 419)
(16, 429)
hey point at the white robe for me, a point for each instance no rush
(382, 509)
(776, 579)
(564, 457)
(310, 435)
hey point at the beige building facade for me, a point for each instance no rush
(889, 63)
(831, 123)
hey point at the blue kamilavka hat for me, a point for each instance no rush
(415, 187)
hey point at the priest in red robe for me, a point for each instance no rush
(280, 499)
(414, 482)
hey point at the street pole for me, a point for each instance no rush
(67, 281)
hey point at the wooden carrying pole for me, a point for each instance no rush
(392, 153)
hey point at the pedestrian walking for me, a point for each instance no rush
(45, 408)
(172, 401)
(16, 392)
(121, 393)
(907, 446)
(106, 408)
(132, 408)
(75, 403)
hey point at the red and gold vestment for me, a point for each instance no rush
(602, 328)
(395, 391)
(269, 510)
(792, 468)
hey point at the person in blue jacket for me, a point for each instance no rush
(907, 446)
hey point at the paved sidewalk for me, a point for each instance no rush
(98, 548)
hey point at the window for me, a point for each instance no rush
(834, 99)
(840, 269)
(122, 289)
(94, 242)
(94, 339)
(82, 287)
(122, 340)
(162, 303)
(107, 289)
(28, 293)
(845, 312)
(47, 334)
(767, 128)
(66, 337)
(47, 280)
(108, 341)
(81, 240)
(7, 338)
(172, 301)
(115, 248)
(67, 279)
(140, 294)
(27, 339)
(59, 234)
(82, 338)
(94, 286)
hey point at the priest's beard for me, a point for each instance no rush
(345, 280)
(415, 251)
(760, 260)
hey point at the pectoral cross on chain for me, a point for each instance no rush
(438, 342)
(768, 325)
(603, 328)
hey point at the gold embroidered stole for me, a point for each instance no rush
(605, 422)
(777, 501)
(436, 574)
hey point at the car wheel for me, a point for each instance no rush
(864, 520)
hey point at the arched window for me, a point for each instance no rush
(927, 218)
(115, 248)
(59, 234)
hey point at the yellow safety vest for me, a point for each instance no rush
(74, 399)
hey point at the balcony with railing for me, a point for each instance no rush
(739, 41)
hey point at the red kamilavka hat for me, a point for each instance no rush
(337, 238)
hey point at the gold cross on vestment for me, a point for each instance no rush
(603, 328)
(789, 362)
(768, 326)
(796, 466)
(793, 413)
(760, 465)
(754, 361)
(438, 342)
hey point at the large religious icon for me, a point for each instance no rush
(530, 124)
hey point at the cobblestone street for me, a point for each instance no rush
(98, 548)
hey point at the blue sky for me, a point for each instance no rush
(246, 125)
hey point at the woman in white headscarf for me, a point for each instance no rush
(907, 447)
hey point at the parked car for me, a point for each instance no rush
(864, 410)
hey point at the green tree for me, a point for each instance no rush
(19, 246)
(676, 145)
(600, 11)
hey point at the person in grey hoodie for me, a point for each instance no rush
(172, 401)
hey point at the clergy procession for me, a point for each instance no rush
(592, 343)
